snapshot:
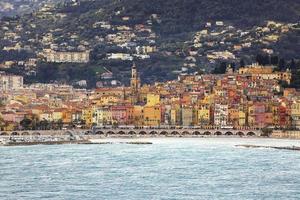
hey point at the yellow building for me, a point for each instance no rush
(102, 116)
(266, 72)
(233, 115)
(242, 118)
(46, 116)
(57, 115)
(209, 99)
(87, 116)
(138, 115)
(295, 114)
(152, 115)
(204, 114)
(107, 100)
(22, 98)
(153, 99)
(67, 117)
(251, 117)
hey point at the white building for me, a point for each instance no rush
(119, 56)
(67, 57)
(221, 115)
(10, 82)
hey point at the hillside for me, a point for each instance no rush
(189, 15)
(164, 37)
(20, 7)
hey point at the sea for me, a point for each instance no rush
(170, 168)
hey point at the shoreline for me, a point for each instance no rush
(293, 148)
(123, 139)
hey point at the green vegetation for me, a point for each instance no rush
(266, 132)
(51, 72)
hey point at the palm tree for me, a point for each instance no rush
(2, 124)
(26, 123)
(60, 124)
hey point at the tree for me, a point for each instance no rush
(44, 124)
(281, 64)
(2, 124)
(242, 63)
(220, 69)
(274, 60)
(293, 66)
(60, 124)
(266, 132)
(262, 59)
(26, 123)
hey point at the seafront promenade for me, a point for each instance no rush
(87, 136)
(104, 131)
(11, 138)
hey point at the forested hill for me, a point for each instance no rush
(185, 15)
(19, 7)
(165, 37)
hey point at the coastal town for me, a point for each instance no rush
(250, 97)
(123, 71)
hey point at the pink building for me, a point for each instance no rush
(120, 114)
(13, 117)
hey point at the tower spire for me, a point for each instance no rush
(134, 83)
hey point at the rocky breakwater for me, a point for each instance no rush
(41, 140)
(292, 148)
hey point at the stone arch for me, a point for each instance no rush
(4, 134)
(37, 133)
(153, 133)
(98, 133)
(228, 133)
(132, 133)
(251, 133)
(25, 133)
(185, 133)
(164, 133)
(142, 133)
(175, 133)
(68, 133)
(207, 133)
(110, 133)
(240, 133)
(89, 133)
(14, 133)
(121, 133)
(218, 133)
(196, 133)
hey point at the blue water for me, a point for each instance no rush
(168, 169)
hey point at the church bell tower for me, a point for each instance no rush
(135, 84)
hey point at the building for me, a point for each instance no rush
(138, 115)
(153, 99)
(10, 82)
(122, 115)
(266, 73)
(257, 115)
(67, 57)
(204, 114)
(220, 115)
(87, 116)
(152, 115)
(135, 84)
(295, 114)
(102, 116)
(187, 116)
